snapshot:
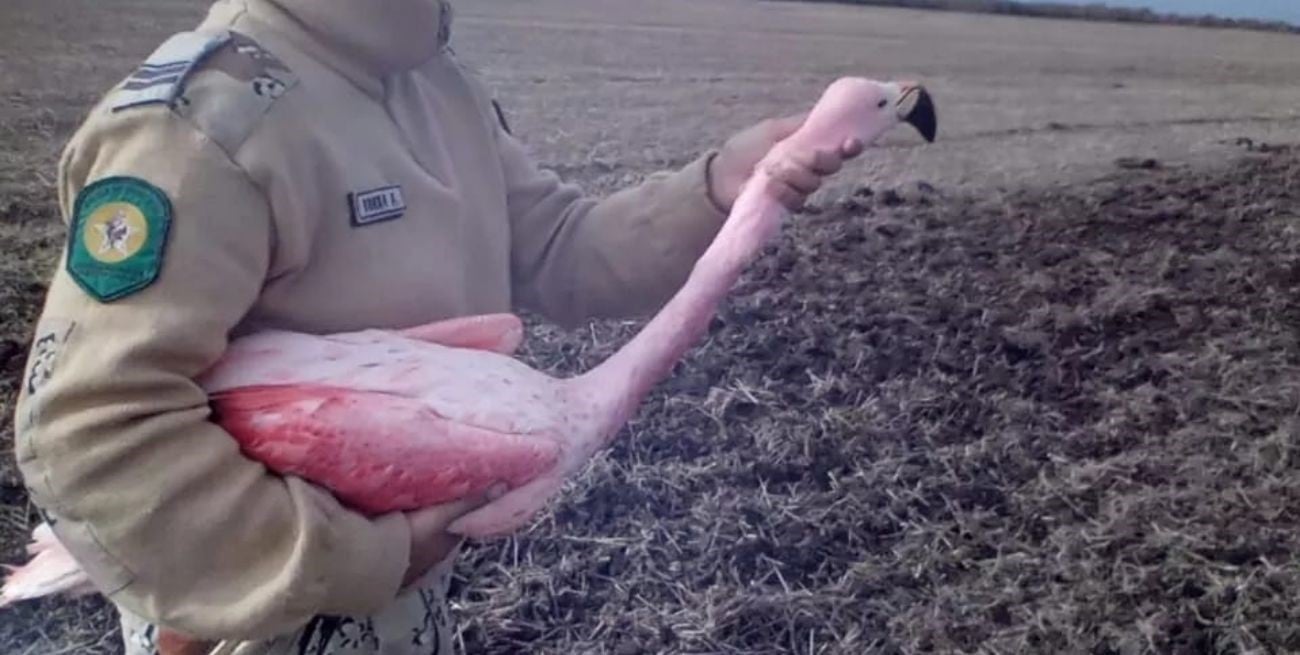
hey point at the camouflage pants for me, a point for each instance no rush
(417, 623)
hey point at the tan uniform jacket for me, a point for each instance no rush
(319, 165)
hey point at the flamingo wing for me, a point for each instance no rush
(376, 452)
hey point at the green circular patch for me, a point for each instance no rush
(117, 237)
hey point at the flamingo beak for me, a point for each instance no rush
(916, 107)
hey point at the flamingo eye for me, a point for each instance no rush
(882, 103)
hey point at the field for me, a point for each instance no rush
(1033, 388)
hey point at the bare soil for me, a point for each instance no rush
(1039, 422)
(1031, 389)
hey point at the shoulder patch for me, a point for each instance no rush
(160, 79)
(117, 237)
(238, 83)
(222, 82)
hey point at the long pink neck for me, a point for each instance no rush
(625, 379)
(629, 374)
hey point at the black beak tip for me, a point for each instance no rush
(923, 116)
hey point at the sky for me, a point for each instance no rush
(1286, 10)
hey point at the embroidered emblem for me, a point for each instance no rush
(121, 235)
(160, 79)
(117, 238)
(250, 62)
(376, 205)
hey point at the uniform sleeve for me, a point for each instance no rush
(116, 441)
(576, 258)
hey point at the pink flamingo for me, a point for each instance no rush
(397, 420)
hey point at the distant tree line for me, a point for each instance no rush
(1095, 11)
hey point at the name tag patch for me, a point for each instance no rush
(376, 205)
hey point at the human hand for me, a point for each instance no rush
(797, 176)
(431, 543)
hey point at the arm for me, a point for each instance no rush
(115, 440)
(576, 258)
